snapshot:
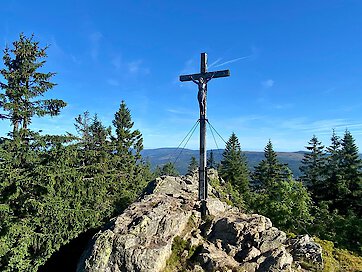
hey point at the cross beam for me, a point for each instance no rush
(223, 73)
(201, 79)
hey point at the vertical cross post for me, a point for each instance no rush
(201, 80)
(202, 167)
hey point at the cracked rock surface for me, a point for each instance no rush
(140, 239)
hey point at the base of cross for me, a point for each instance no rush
(203, 209)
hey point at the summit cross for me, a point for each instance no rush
(201, 79)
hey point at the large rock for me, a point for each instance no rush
(141, 238)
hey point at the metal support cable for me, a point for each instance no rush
(189, 135)
(216, 132)
(213, 136)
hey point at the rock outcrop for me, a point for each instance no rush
(141, 239)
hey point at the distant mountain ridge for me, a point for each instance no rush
(182, 157)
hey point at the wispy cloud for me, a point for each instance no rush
(320, 126)
(95, 39)
(134, 66)
(282, 106)
(229, 61)
(215, 62)
(182, 111)
(113, 82)
(125, 68)
(117, 62)
(188, 68)
(267, 83)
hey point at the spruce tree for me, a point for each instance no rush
(277, 195)
(350, 189)
(25, 84)
(168, 169)
(332, 173)
(269, 170)
(233, 167)
(193, 166)
(313, 168)
(211, 164)
(27, 235)
(128, 142)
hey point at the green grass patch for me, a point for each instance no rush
(336, 259)
(182, 252)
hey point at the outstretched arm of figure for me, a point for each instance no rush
(194, 81)
(207, 80)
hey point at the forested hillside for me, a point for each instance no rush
(181, 158)
(325, 201)
(54, 187)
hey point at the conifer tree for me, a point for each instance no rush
(332, 173)
(25, 83)
(27, 236)
(233, 168)
(169, 169)
(269, 170)
(350, 189)
(128, 143)
(313, 168)
(193, 165)
(211, 164)
(277, 195)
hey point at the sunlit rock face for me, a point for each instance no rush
(141, 238)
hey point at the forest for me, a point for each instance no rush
(55, 187)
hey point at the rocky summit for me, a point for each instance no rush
(164, 227)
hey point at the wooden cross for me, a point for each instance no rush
(201, 80)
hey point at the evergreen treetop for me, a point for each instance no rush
(25, 83)
(127, 141)
(211, 160)
(233, 167)
(193, 165)
(269, 170)
(313, 167)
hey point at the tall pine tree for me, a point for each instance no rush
(351, 166)
(269, 170)
(25, 84)
(233, 167)
(313, 168)
(277, 195)
(211, 164)
(193, 166)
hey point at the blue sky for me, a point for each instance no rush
(296, 66)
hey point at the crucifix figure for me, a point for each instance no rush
(201, 80)
(201, 95)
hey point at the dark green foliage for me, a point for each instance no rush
(24, 83)
(332, 173)
(287, 203)
(211, 164)
(337, 195)
(278, 196)
(193, 166)
(313, 166)
(62, 188)
(52, 188)
(126, 141)
(228, 193)
(168, 169)
(233, 167)
(269, 171)
(351, 166)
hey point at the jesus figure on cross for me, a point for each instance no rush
(201, 95)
